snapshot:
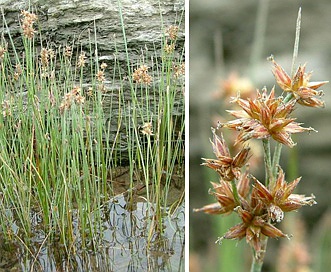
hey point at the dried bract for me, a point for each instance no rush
(227, 166)
(263, 117)
(280, 198)
(305, 92)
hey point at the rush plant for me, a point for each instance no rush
(267, 117)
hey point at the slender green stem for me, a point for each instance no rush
(258, 257)
(289, 96)
(256, 266)
(276, 158)
(235, 192)
(267, 161)
(296, 42)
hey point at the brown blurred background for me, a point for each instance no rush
(222, 41)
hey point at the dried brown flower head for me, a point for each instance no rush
(227, 166)
(169, 47)
(73, 97)
(172, 31)
(81, 59)
(226, 202)
(264, 117)
(140, 75)
(280, 198)
(147, 129)
(100, 76)
(305, 92)
(67, 51)
(254, 224)
(27, 23)
(103, 66)
(18, 71)
(6, 108)
(44, 57)
(179, 70)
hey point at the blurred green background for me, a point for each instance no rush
(223, 40)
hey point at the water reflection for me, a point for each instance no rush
(122, 245)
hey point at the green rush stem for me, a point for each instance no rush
(258, 258)
(271, 167)
(278, 147)
(235, 191)
(267, 161)
(276, 158)
(256, 265)
(296, 42)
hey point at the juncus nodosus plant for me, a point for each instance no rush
(260, 205)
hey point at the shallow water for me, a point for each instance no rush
(123, 244)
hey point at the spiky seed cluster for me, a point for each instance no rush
(147, 129)
(27, 24)
(18, 71)
(263, 117)
(73, 97)
(44, 57)
(170, 43)
(179, 70)
(169, 47)
(100, 75)
(260, 206)
(225, 165)
(280, 197)
(226, 202)
(67, 51)
(140, 75)
(305, 92)
(172, 32)
(81, 59)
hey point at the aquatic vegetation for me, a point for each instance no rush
(66, 131)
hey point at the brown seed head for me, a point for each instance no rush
(140, 75)
(252, 227)
(305, 92)
(264, 117)
(27, 23)
(172, 31)
(81, 59)
(280, 198)
(227, 166)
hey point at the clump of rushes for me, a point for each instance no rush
(261, 205)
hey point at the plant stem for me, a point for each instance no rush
(296, 42)
(235, 192)
(258, 257)
(278, 148)
(256, 265)
(267, 161)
